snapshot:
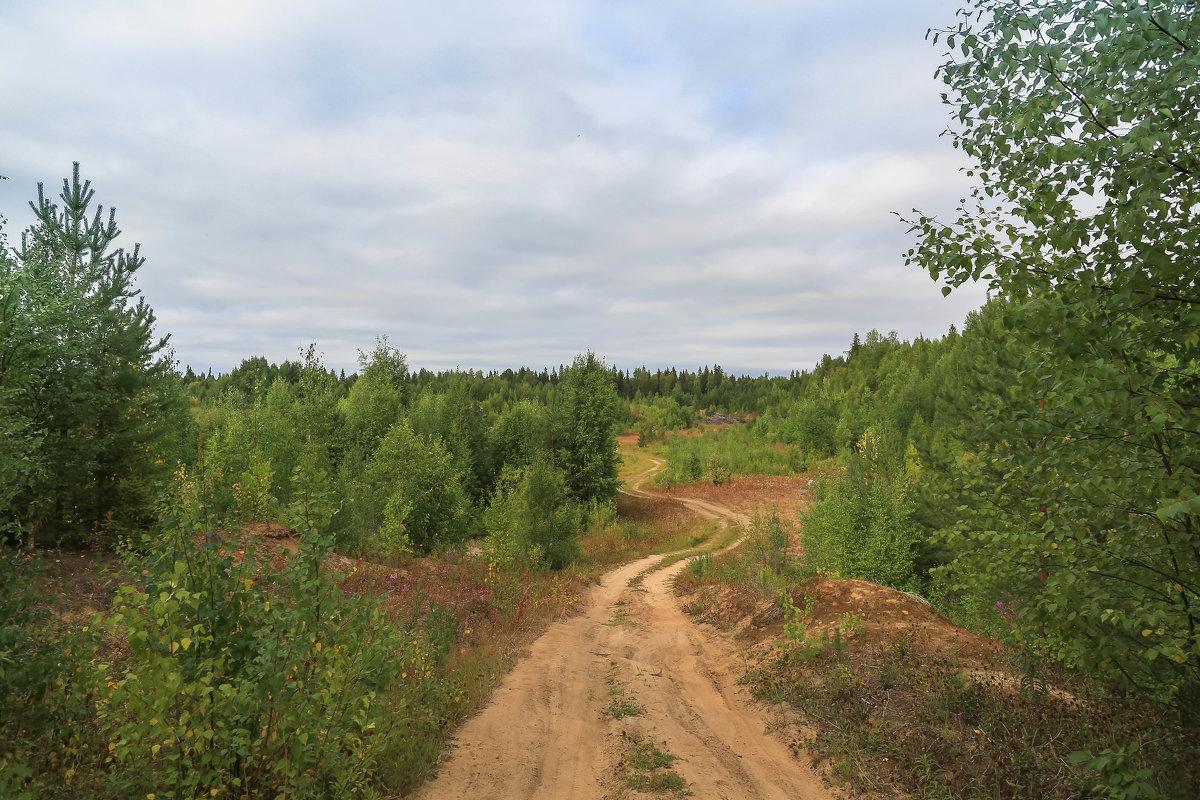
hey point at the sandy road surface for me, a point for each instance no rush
(544, 734)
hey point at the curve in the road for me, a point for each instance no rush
(543, 734)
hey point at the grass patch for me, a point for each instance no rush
(762, 564)
(649, 768)
(720, 454)
(622, 707)
(622, 703)
(645, 755)
(643, 526)
(620, 618)
(902, 722)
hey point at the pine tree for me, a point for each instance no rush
(85, 384)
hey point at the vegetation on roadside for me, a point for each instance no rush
(893, 710)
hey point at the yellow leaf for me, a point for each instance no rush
(1147, 632)
(318, 647)
(154, 749)
(185, 643)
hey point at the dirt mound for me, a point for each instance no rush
(865, 615)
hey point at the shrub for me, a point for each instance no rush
(421, 491)
(860, 524)
(45, 675)
(245, 678)
(532, 518)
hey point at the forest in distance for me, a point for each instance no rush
(1032, 477)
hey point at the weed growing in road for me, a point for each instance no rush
(621, 617)
(622, 703)
(648, 767)
(621, 707)
(645, 755)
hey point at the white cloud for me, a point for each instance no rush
(498, 185)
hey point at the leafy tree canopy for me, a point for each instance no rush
(1080, 121)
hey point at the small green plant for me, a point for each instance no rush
(622, 703)
(1120, 776)
(851, 622)
(795, 626)
(1033, 678)
(696, 607)
(649, 767)
(621, 617)
(646, 755)
(844, 683)
(701, 565)
(622, 707)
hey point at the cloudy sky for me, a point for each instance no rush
(665, 182)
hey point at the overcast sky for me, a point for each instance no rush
(667, 183)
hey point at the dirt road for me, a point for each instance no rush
(545, 733)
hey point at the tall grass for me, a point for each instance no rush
(721, 454)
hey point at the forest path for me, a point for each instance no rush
(544, 733)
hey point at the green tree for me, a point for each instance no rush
(1080, 119)
(85, 387)
(532, 518)
(585, 429)
(417, 490)
(520, 434)
(376, 400)
(861, 523)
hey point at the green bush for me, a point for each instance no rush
(245, 678)
(421, 492)
(860, 524)
(532, 518)
(45, 680)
